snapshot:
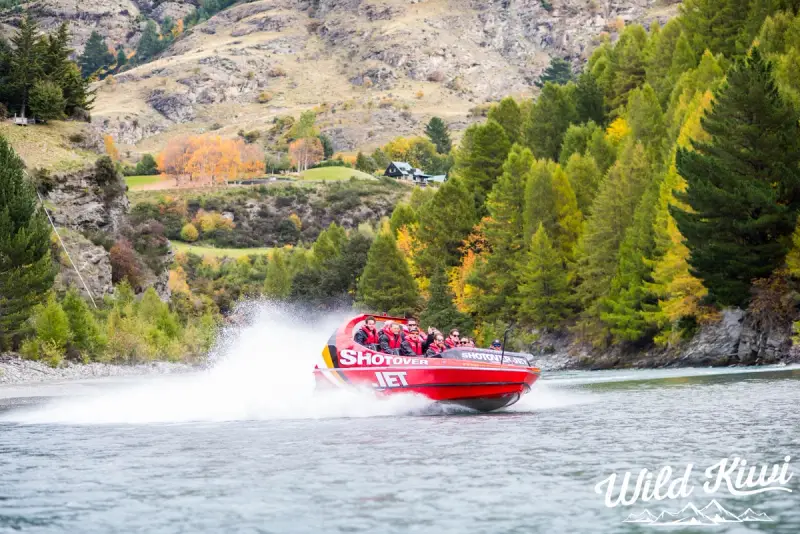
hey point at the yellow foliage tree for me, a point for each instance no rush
(618, 130)
(680, 293)
(111, 148)
(208, 221)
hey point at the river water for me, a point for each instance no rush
(246, 447)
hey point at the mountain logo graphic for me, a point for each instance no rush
(712, 514)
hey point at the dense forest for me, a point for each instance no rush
(628, 203)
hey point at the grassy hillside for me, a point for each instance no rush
(218, 252)
(55, 146)
(334, 173)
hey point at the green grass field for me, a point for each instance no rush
(139, 181)
(218, 252)
(334, 173)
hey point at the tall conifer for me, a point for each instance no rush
(743, 184)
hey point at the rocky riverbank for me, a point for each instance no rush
(15, 370)
(736, 339)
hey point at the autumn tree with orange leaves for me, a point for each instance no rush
(210, 158)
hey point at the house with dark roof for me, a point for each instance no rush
(404, 171)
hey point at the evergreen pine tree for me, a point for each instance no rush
(585, 177)
(386, 284)
(627, 311)
(147, 166)
(149, 43)
(440, 312)
(540, 199)
(77, 95)
(602, 151)
(365, 163)
(628, 62)
(402, 215)
(480, 159)
(507, 114)
(327, 146)
(549, 118)
(568, 215)
(660, 51)
(743, 184)
(612, 213)
(95, 55)
(646, 120)
(278, 281)
(26, 272)
(439, 134)
(46, 101)
(714, 24)
(121, 58)
(25, 62)
(504, 232)
(576, 140)
(444, 223)
(340, 277)
(56, 62)
(683, 58)
(544, 292)
(589, 101)
(550, 201)
(380, 158)
(559, 72)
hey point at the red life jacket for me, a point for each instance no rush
(372, 335)
(436, 349)
(394, 341)
(449, 342)
(415, 342)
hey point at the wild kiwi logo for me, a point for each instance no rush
(732, 475)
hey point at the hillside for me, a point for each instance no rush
(373, 70)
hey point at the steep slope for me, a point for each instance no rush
(373, 69)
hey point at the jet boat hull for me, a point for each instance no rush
(478, 379)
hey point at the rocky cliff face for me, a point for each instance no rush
(374, 69)
(80, 203)
(90, 209)
(736, 338)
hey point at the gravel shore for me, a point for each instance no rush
(15, 370)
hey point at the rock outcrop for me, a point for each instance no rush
(77, 201)
(92, 261)
(736, 338)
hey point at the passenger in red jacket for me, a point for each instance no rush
(414, 344)
(391, 339)
(454, 339)
(368, 334)
(437, 347)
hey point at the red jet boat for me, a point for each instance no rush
(480, 379)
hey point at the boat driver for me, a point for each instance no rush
(496, 345)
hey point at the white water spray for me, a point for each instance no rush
(260, 370)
